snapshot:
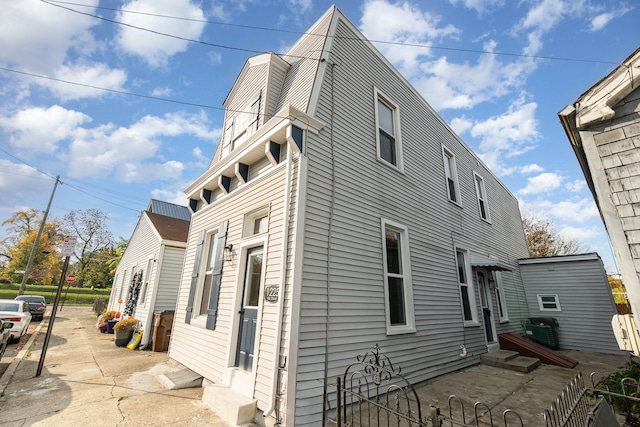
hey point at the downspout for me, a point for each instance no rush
(283, 265)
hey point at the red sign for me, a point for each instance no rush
(71, 278)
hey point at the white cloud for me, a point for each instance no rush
(37, 36)
(601, 20)
(161, 91)
(38, 130)
(574, 211)
(106, 150)
(88, 75)
(405, 23)
(461, 124)
(478, 5)
(19, 181)
(172, 196)
(582, 234)
(156, 49)
(300, 6)
(576, 186)
(510, 134)
(128, 153)
(43, 39)
(542, 183)
(532, 168)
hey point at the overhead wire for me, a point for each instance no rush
(57, 3)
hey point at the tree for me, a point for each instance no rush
(121, 246)
(544, 241)
(93, 239)
(23, 227)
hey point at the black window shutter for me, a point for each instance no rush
(212, 312)
(194, 277)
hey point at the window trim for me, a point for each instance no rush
(481, 196)
(145, 282)
(541, 303)
(395, 109)
(233, 135)
(471, 294)
(250, 219)
(503, 314)
(449, 159)
(198, 318)
(407, 284)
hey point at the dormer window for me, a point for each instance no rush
(242, 126)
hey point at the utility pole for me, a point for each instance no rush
(25, 276)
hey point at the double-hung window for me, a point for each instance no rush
(397, 277)
(388, 131)
(467, 296)
(481, 194)
(205, 288)
(242, 126)
(502, 304)
(451, 175)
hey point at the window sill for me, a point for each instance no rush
(471, 324)
(504, 321)
(458, 204)
(401, 330)
(390, 165)
(486, 220)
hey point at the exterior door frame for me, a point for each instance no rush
(238, 379)
(486, 303)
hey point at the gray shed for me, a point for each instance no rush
(574, 290)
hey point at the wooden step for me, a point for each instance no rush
(526, 347)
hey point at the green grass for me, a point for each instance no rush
(69, 295)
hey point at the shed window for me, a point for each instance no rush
(548, 302)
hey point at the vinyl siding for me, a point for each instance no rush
(164, 278)
(304, 59)
(342, 301)
(216, 348)
(169, 279)
(585, 299)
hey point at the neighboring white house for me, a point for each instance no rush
(148, 276)
(340, 211)
(603, 126)
(574, 290)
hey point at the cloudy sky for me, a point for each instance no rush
(123, 99)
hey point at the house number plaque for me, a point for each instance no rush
(271, 293)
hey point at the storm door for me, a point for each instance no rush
(485, 300)
(249, 309)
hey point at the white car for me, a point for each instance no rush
(16, 312)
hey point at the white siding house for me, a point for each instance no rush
(148, 276)
(603, 127)
(340, 211)
(574, 290)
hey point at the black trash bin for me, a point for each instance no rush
(162, 323)
(543, 330)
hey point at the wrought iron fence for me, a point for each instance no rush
(594, 406)
(373, 393)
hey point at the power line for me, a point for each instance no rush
(253, 27)
(121, 92)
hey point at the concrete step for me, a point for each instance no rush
(234, 408)
(184, 378)
(508, 359)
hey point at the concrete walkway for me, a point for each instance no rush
(87, 380)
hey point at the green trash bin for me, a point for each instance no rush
(543, 330)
